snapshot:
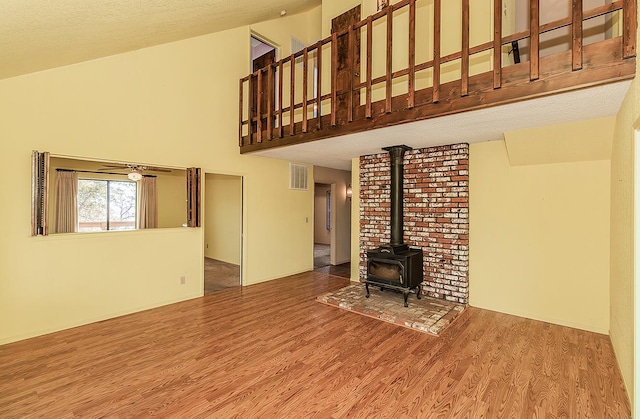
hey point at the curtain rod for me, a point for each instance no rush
(99, 173)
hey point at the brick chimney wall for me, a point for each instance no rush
(436, 214)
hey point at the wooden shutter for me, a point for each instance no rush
(193, 196)
(39, 193)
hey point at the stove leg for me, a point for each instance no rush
(418, 295)
(366, 285)
(406, 298)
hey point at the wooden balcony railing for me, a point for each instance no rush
(307, 97)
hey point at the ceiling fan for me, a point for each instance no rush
(134, 170)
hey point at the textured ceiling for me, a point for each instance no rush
(470, 127)
(40, 34)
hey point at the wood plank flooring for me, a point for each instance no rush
(271, 351)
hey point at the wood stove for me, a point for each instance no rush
(396, 265)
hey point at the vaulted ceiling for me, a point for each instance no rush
(41, 34)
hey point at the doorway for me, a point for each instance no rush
(322, 225)
(263, 54)
(222, 232)
(332, 222)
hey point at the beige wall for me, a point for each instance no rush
(174, 105)
(624, 227)
(623, 328)
(539, 238)
(341, 222)
(223, 218)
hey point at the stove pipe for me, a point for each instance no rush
(397, 192)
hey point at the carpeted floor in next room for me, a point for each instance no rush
(220, 275)
(322, 262)
(321, 255)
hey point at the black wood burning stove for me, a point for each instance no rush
(396, 265)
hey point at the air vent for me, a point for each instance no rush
(298, 177)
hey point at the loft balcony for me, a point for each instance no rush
(406, 64)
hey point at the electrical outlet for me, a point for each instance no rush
(183, 280)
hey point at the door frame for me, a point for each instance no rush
(243, 219)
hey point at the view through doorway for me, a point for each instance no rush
(331, 227)
(223, 232)
(322, 226)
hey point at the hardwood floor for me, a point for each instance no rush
(271, 351)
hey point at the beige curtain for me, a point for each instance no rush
(148, 203)
(66, 198)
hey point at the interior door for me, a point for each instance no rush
(264, 93)
(345, 71)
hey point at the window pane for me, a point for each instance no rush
(122, 205)
(92, 205)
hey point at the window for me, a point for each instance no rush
(106, 205)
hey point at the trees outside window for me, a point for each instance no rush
(106, 205)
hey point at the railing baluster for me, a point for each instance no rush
(259, 106)
(280, 98)
(292, 97)
(534, 49)
(630, 11)
(369, 65)
(464, 68)
(319, 85)
(389, 80)
(411, 94)
(497, 44)
(350, 46)
(240, 113)
(437, 12)
(252, 97)
(270, 93)
(576, 44)
(334, 75)
(305, 86)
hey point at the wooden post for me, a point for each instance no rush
(437, 12)
(292, 97)
(319, 86)
(389, 79)
(259, 106)
(280, 105)
(350, 47)
(270, 93)
(305, 85)
(369, 64)
(250, 110)
(334, 76)
(240, 114)
(629, 32)
(411, 94)
(534, 49)
(464, 69)
(497, 44)
(576, 30)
